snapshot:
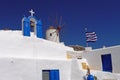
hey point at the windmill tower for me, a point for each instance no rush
(52, 34)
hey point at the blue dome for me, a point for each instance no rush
(90, 77)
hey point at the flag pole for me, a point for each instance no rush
(86, 44)
(86, 40)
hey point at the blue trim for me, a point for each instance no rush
(26, 27)
(32, 17)
(39, 29)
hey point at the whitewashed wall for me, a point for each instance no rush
(13, 44)
(94, 58)
(31, 69)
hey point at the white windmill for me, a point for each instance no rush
(52, 34)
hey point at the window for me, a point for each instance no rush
(50, 34)
(45, 74)
(50, 74)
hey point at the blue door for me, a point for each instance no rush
(106, 62)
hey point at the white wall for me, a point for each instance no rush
(31, 69)
(94, 58)
(13, 44)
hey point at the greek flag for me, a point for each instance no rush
(91, 37)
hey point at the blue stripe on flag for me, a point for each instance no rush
(91, 37)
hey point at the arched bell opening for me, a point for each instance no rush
(33, 25)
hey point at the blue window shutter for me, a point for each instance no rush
(54, 74)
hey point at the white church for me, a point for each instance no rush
(25, 55)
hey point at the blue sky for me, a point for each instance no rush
(101, 16)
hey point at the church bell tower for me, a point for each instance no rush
(31, 24)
